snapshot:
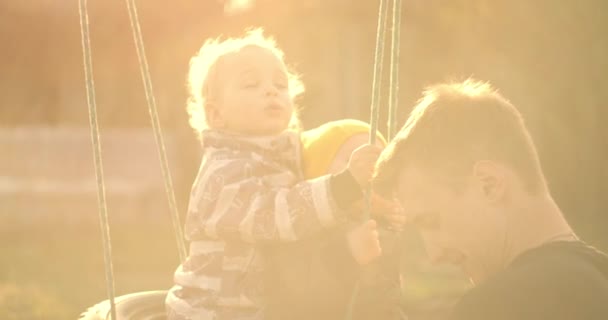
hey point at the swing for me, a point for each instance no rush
(150, 305)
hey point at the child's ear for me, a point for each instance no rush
(213, 116)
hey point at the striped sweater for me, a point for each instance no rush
(248, 192)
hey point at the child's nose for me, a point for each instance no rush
(271, 90)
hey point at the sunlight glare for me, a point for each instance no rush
(232, 7)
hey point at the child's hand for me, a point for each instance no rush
(361, 163)
(390, 211)
(363, 242)
(387, 210)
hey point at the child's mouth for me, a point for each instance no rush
(274, 109)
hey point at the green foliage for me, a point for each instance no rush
(18, 302)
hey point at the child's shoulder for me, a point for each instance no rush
(264, 154)
(237, 145)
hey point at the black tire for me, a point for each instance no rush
(147, 305)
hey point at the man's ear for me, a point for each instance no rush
(491, 179)
(213, 115)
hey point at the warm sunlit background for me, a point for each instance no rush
(549, 57)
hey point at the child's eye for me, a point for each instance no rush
(251, 84)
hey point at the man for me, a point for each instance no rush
(467, 173)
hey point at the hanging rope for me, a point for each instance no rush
(101, 194)
(377, 76)
(393, 94)
(376, 94)
(145, 74)
(376, 86)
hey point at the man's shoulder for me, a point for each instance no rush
(551, 265)
(561, 276)
(569, 263)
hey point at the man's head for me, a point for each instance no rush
(242, 85)
(459, 166)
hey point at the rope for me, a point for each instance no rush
(374, 115)
(393, 94)
(376, 86)
(377, 77)
(101, 194)
(145, 74)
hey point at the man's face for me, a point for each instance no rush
(254, 93)
(459, 227)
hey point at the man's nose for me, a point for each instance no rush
(434, 252)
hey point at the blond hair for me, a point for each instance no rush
(455, 124)
(203, 68)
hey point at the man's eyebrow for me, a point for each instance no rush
(412, 217)
(421, 217)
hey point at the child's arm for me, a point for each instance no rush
(350, 248)
(231, 202)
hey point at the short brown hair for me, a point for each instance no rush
(455, 124)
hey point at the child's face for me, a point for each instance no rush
(253, 93)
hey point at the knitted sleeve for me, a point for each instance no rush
(232, 198)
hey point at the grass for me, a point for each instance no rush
(56, 271)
